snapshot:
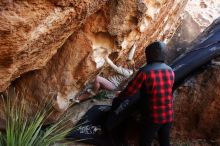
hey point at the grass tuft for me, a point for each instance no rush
(23, 129)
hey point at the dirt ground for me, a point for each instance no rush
(174, 142)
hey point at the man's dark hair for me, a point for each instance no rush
(155, 52)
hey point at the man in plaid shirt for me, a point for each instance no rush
(154, 81)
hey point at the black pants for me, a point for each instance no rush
(149, 130)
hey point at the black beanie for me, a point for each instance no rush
(155, 52)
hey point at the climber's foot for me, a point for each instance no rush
(84, 97)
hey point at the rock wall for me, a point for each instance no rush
(198, 15)
(32, 31)
(67, 41)
(197, 101)
(197, 107)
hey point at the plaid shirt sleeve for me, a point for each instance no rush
(133, 86)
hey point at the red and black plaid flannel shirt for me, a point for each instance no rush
(157, 85)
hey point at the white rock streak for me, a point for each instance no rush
(131, 53)
(61, 103)
(49, 21)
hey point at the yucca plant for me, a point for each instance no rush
(22, 129)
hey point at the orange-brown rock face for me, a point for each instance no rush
(32, 32)
(197, 107)
(58, 46)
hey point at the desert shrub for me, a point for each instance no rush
(25, 129)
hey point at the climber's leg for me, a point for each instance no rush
(99, 83)
(83, 97)
(103, 83)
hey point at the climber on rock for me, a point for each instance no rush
(114, 83)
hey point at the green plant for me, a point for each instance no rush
(1, 139)
(22, 129)
(101, 95)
